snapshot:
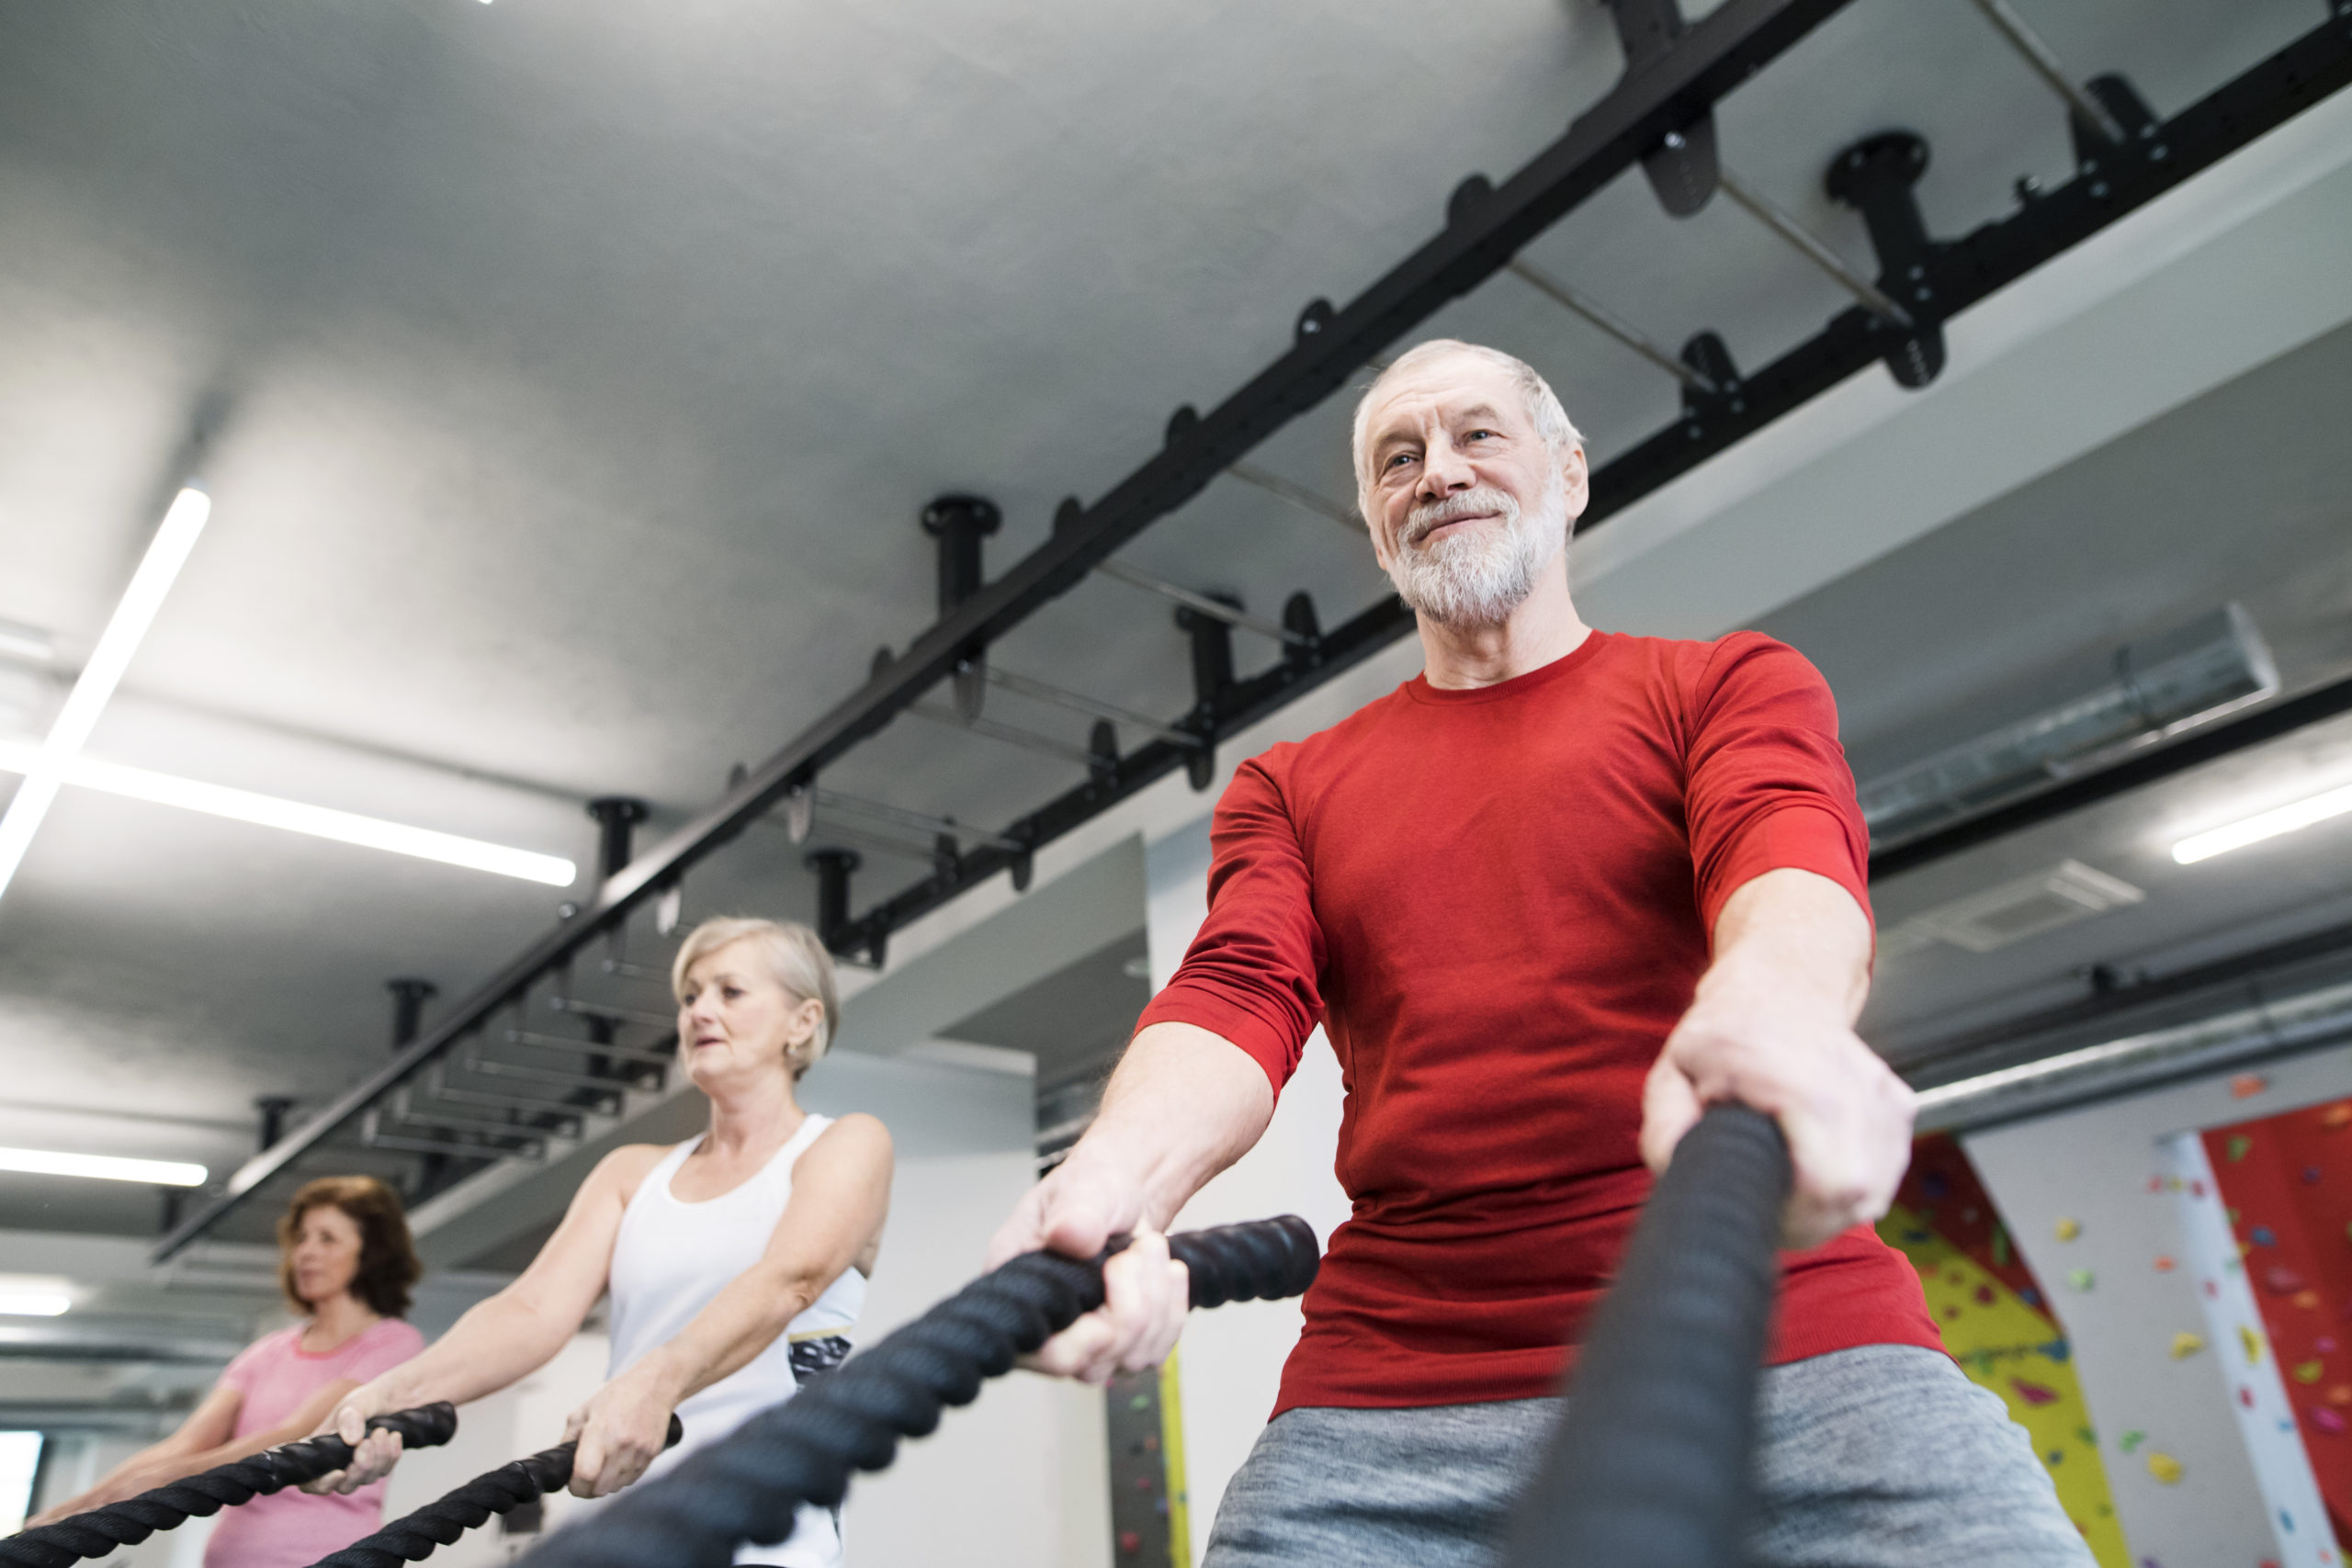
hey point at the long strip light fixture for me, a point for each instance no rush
(166, 553)
(294, 817)
(2263, 825)
(103, 1167)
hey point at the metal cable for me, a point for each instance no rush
(132, 1520)
(1651, 1466)
(747, 1487)
(413, 1537)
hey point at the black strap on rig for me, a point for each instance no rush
(748, 1485)
(1651, 1465)
(413, 1537)
(133, 1520)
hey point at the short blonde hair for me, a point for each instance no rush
(1543, 408)
(796, 959)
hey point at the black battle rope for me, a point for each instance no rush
(133, 1520)
(413, 1537)
(746, 1486)
(1651, 1465)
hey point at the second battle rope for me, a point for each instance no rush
(1651, 1465)
(133, 1520)
(747, 1487)
(413, 1537)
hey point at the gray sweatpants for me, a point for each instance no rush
(1885, 1456)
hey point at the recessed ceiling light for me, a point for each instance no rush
(2263, 825)
(14, 1303)
(294, 817)
(166, 553)
(103, 1167)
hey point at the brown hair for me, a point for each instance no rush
(796, 960)
(388, 1264)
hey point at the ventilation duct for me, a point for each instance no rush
(2162, 686)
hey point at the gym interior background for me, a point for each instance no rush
(636, 436)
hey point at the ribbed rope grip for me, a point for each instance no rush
(748, 1485)
(1652, 1466)
(413, 1537)
(132, 1520)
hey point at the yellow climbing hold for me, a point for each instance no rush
(2252, 1342)
(2309, 1371)
(2069, 1229)
(2165, 1468)
(2185, 1345)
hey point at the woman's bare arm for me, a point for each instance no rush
(506, 1338)
(841, 1195)
(206, 1427)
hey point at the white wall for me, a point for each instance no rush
(2101, 1166)
(1232, 1361)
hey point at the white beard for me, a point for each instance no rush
(1478, 578)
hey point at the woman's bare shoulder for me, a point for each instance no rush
(626, 1168)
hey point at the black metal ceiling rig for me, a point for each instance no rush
(1658, 115)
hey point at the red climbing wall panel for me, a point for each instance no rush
(2287, 1181)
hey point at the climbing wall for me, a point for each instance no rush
(1998, 1325)
(2283, 1184)
(2090, 1204)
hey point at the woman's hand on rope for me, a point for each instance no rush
(373, 1453)
(129, 1482)
(621, 1430)
(1076, 1210)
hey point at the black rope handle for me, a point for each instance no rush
(747, 1487)
(1652, 1464)
(413, 1537)
(133, 1520)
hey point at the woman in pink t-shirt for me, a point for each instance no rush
(345, 1263)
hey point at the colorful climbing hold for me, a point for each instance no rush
(2263, 1236)
(2069, 1229)
(2310, 1176)
(2081, 1279)
(2245, 1086)
(2164, 1264)
(2336, 1116)
(2307, 1300)
(2282, 1280)
(2245, 1397)
(2327, 1420)
(2309, 1371)
(2252, 1343)
(2165, 1468)
(2000, 1247)
(2340, 1395)
(2056, 1349)
(2156, 1184)
(2185, 1345)
(2033, 1393)
(1935, 1184)
(2131, 1440)
(1984, 1295)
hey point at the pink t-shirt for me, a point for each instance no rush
(292, 1529)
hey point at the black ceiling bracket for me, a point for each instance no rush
(409, 997)
(1211, 679)
(2129, 110)
(1717, 397)
(833, 868)
(959, 522)
(1102, 748)
(1681, 168)
(1299, 618)
(1876, 176)
(616, 817)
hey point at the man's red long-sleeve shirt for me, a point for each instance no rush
(1498, 902)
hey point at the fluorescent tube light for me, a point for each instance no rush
(294, 817)
(30, 643)
(22, 1305)
(2263, 825)
(166, 553)
(103, 1167)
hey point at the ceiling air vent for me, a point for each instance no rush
(2161, 685)
(1982, 923)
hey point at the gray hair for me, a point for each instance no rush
(1543, 408)
(796, 959)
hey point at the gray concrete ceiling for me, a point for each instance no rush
(570, 378)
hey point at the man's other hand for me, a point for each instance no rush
(1076, 1210)
(1772, 1028)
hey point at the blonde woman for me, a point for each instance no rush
(345, 1265)
(737, 1260)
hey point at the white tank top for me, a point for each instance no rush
(671, 1258)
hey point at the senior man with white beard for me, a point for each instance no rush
(1548, 900)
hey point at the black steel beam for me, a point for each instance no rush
(2194, 750)
(1484, 227)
